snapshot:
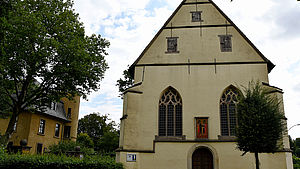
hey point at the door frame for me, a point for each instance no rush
(207, 146)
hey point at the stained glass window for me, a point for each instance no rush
(228, 110)
(170, 114)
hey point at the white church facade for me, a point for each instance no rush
(181, 111)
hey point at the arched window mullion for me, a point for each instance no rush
(228, 120)
(178, 118)
(162, 120)
(170, 118)
(174, 119)
(228, 110)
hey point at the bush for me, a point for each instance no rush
(2, 150)
(66, 146)
(296, 162)
(85, 140)
(18, 161)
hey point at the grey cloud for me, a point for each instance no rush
(286, 16)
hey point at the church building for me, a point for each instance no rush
(181, 111)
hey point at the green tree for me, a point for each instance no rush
(101, 131)
(109, 142)
(292, 144)
(125, 82)
(296, 162)
(85, 140)
(44, 56)
(297, 147)
(261, 124)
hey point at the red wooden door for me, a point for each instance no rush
(202, 159)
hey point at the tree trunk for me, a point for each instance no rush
(256, 160)
(10, 129)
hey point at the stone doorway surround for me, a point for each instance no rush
(197, 146)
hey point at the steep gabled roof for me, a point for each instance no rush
(269, 63)
(59, 112)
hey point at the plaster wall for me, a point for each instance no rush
(74, 105)
(178, 156)
(48, 138)
(200, 72)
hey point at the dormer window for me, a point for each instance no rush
(196, 16)
(225, 43)
(53, 106)
(172, 45)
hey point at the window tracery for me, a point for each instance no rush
(228, 111)
(170, 114)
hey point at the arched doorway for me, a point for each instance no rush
(202, 159)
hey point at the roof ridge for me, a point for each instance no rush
(270, 65)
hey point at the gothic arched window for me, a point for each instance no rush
(228, 111)
(170, 113)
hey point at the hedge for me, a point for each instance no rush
(56, 162)
(296, 162)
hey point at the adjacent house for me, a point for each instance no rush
(59, 122)
(181, 111)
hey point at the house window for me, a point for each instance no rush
(170, 113)
(39, 148)
(228, 111)
(53, 106)
(202, 127)
(225, 43)
(57, 129)
(69, 113)
(42, 126)
(172, 45)
(196, 16)
(67, 131)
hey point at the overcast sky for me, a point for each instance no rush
(272, 25)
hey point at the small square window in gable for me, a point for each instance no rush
(225, 43)
(172, 45)
(196, 16)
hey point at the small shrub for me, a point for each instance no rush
(2, 150)
(18, 161)
(66, 146)
(296, 162)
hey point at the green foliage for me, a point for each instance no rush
(68, 146)
(53, 161)
(101, 131)
(295, 146)
(2, 150)
(125, 83)
(292, 144)
(260, 121)
(296, 162)
(109, 142)
(85, 140)
(45, 55)
(261, 124)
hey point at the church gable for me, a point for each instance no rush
(198, 32)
